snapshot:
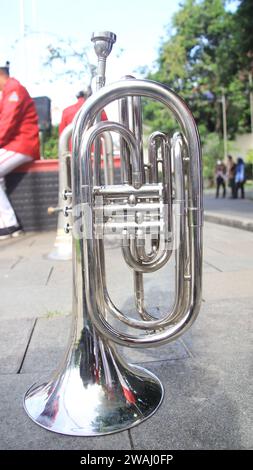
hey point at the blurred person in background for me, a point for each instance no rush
(220, 178)
(19, 141)
(239, 177)
(231, 167)
(69, 113)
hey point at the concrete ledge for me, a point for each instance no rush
(229, 220)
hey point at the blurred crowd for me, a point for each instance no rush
(232, 175)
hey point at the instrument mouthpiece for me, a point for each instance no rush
(103, 42)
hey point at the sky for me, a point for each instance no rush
(28, 26)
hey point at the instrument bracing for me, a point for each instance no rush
(156, 211)
(62, 249)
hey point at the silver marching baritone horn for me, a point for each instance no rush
(156, 211)
(62, 249)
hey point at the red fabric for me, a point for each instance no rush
(69, 113)
(129, 396)
(19, 130)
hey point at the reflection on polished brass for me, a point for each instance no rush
(156, 211)
(96, 393)
(62, 249)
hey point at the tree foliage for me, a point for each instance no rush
(203, 56)
(70, 61)
(51, 144)
(244, 33)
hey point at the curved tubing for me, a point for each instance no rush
(140, 254)
(63, 151)
(101, 128)
(108, 157)
(152, 90)
(180, 241)
(143, 267)
(90, 302)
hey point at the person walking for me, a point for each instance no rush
(19, 141)
(239, 177)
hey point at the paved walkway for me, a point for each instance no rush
(206, 373)
(232, 212)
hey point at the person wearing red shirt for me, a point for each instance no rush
(69, 113)
(19, 141)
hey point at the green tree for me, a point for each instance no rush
(70, 61)
(51, 144)
(244, 33)
(212, 150)
(199, 59)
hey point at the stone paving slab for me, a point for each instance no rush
(222, 262)
(172, 351)
(48, 344)
(34, 301)
(15, 335)
(61, 274)
(8, 263)
(222, 335)
(206, 373)
(221, 238)
(26, 273)
(17, 431)
(201, 410)
(209, 267)
(29, 242)
(228, 249)
(32, 247)
(228, 285)
(158, 286)
(50, 339)
(207, 401)
(208, 397)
